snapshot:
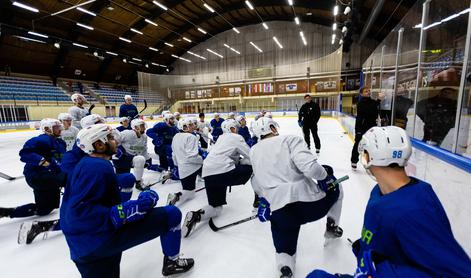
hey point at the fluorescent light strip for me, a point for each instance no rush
(290, 2)
(111, 53)
(86, 11)
(208, 7)
(249, 5)
(303, 38)
(236, 30)
(29, 39)
(137, 31)
(158, 65)
(186, 39)
(80, 45)
(174, 56)
(186, 60)
(202, 31)
(153, 49)
(278, 42)
(265, 25)
(232, 49)
(196, 55)
(85, 26)
(215, 53)
(256, 47)
(26, 7)
(124, 39)
(336, 10)
(38, 34)
(138, 60)
(151, 22)
(168, 44)
(296, 20)
(160, 5)
(73, 7)
(334, 26)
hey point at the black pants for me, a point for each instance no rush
(216, 185)
(355, 154)
(46, 187)
(204, 144)
(307, 137)
(189, 183)
(286, 222)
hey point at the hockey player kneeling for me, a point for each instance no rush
(284, 174)
(406, 232)
(98, 226)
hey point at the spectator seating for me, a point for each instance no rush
(27, 89)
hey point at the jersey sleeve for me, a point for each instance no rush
(304, 160)
(28, 152)
(242, 147)
(428, 243)
(122, 112)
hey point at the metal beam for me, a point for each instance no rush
(371, 19)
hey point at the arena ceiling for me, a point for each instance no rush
(149, 35)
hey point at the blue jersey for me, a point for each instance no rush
(122, 128)
(86, 205)
(410, 228)
(244, 132)
(71, 159)
(216, 127)
(162, 134)
(128, 110)
(42, 147)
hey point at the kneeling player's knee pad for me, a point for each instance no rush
(126, 183)
(174, 216)
(138, 161)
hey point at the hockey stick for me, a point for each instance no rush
(340, 180)
(8, 177)
(215, 228)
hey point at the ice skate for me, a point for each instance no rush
(332, 231)
(6, 212)
(318, 151)
(354, 166)
(286, 272)
(173, 198)
(191, 219)
(177, 266)
(141, 186)
(30, 230)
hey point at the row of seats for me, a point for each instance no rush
(14, 88)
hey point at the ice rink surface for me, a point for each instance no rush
(245, 250)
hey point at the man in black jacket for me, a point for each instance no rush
(308, 116)
(367, 114)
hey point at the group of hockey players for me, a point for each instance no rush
(406, 232)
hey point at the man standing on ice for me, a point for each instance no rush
(98, 226)
(308, 117)
(284, 178)
(78, 111)
(127, 109)
(406, 232)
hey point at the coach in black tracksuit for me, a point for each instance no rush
(367, 113)
(308, 116)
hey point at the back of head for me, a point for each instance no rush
(228, 124)
(75, 97)
(91, 120)
(91, 134)
(64, 117)
(184, 124)
(263, 127)
(46, 125)
(137, 122)
(123, 119)
(385, 146)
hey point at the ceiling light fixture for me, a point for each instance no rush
(153, 49)
(249, 5)
(111, 53)
(125, 40)
(202, 31)
(236, 30)
(290, 2)
(336, 10)
(208, 7)
(215, 53)
(296, 20)
(138, 60)
(256, 47)
(26, 7)
(85, 26)
(334, 26)
(303, 38)
(168, 44)
(151, 22)
(186, 39)
(29, 39)
(79, 45)
(265, 25)
(160, 5)
(86, 11)
(278, 42)
(38, 34)
(73, 7)
(57, 45)
(137, 31)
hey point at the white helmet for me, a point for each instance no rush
(194, 120)
(76, 96)
(176, 114)
(231, 115)
(168, 116)
(269, 115)
(89, 135)
(263, 125)
(50, 123)
(184, 123)
(240, 118)
(122, 119)
(228, 124)
(92, 119)
(216, 115)
(126, 97)
(64, 117)
(385, 146)
(138, 122)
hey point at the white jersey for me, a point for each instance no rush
(225, 154)
(134, 145)
(77, 114)
(69, 136)
(203, 129)
(285, 171)
(185, 154)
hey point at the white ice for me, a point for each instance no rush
(245, 250)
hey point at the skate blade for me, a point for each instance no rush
(23, 232)
(185, 231)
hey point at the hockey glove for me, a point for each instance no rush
(90, 109)
(129, 211)
(175, 175)
(367, 265)
(148, 163)
(149, 194)
(323, 274)
(327, 185)
(202, 153)
(251, 142)
(301, 123)
(264, 211)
